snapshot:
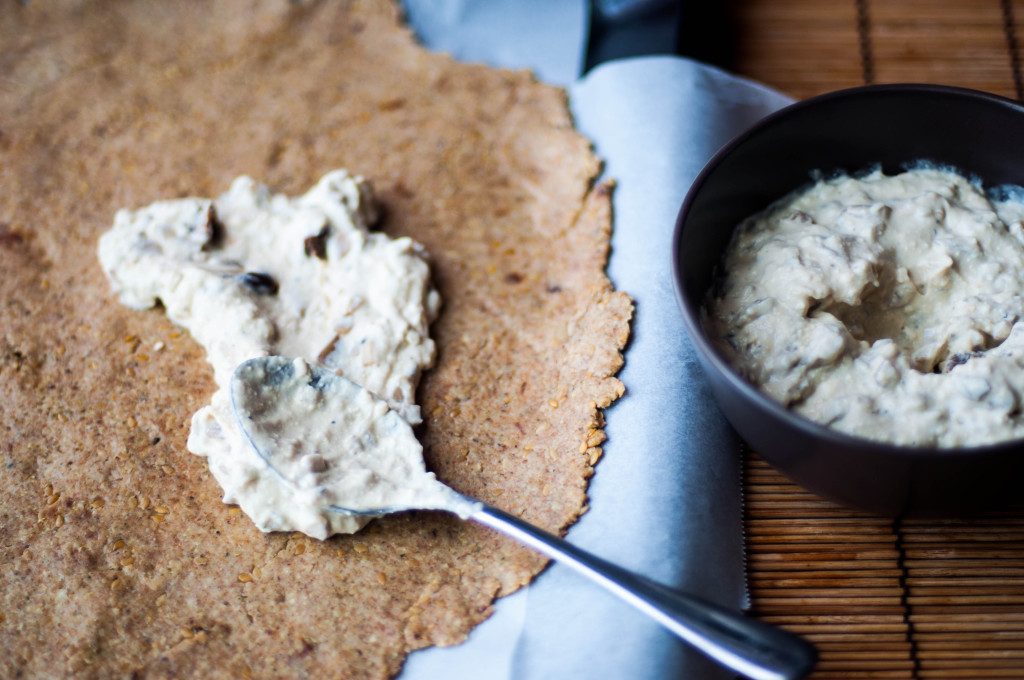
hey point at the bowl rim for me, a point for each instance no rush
(703, 345)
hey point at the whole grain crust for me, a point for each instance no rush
(119, 558)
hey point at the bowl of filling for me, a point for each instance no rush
(851, 273)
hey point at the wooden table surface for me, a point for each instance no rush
(884, 598)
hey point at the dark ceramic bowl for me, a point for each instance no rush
(894, 126)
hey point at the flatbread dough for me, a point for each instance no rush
(120, 560)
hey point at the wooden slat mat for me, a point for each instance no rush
(884, 598)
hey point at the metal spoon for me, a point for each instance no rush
(745, 645)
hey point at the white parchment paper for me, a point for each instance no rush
(666, 498)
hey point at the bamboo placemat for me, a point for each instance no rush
(884, 598)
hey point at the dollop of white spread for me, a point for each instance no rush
(300, 417)
(887, 307)
(254, 274)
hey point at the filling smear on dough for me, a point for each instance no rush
(254, 274)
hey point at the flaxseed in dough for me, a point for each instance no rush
(120, 560)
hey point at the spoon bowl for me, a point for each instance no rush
(263, 392)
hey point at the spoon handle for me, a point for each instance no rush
(743, 644)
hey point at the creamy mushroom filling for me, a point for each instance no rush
(254, 274)
(887, 307)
